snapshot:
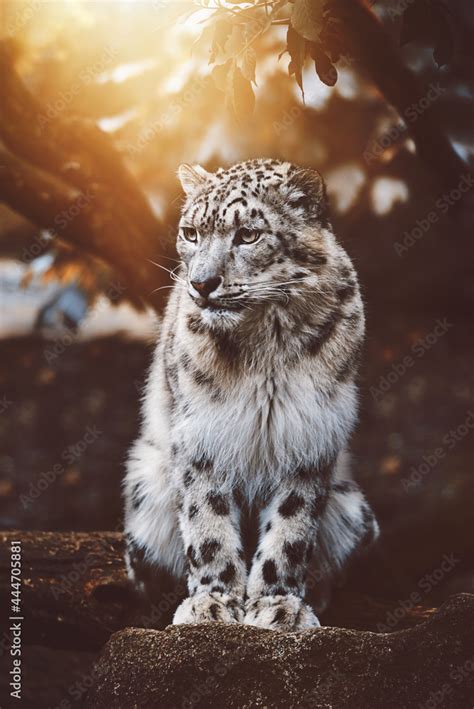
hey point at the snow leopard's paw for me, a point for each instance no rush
(287, 613)
(209, 608)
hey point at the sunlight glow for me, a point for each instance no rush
(125, 71)
(344, 185)
(386, 193)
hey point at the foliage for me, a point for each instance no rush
(235, 28)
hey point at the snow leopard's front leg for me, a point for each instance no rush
(209, 523)
(288, 529)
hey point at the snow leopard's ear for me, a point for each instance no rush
(304, 188)
(192, 177)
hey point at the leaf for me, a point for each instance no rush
(204, 41)
(235, 43)
(219, 75)
(297, 50)
(307, 18)
(248, 63)
(325, 69)
(430, 21)
(239, 94)
(223, 28)
(333, 36)
(255, 27)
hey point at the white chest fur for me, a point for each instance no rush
(263, 426)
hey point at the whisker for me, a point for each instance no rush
(161, 288)
(168, 270)
(169, 258)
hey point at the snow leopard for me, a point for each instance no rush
(239, 485)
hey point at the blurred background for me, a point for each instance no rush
(101, 101)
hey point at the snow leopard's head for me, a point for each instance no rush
(255, 233)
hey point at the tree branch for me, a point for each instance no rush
(89, 221)
(368, 42)
(66, 175)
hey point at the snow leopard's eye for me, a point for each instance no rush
(247, 236)
(189, 233)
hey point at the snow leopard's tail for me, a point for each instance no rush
(348, 527)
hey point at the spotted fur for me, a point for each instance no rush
(250, 403)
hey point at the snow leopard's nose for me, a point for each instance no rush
(205, 288)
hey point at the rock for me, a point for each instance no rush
(430, 665)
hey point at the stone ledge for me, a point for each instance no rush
(430, 665)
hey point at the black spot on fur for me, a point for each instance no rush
(325, 468)
(325, 332)
(203, 463)
(188, 478)
(295, 552)
(214, 611)
(238, 498)
(218, 503)
(269, 571)
(291, 505)
(203, 379)
(351, 365)
(185, 361)
(192, 511)
(279, 591)
(307, 256)
(238, 200)
(305, 472)
(191, 554)
(136, 496)
(172, 374)
(226, 346)
(346, 292)
(318, 504)
(291, 581)
(279, 616)
(228, 574)
(345, 486)
(209, 549)
(195, 325)
(205, 580)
